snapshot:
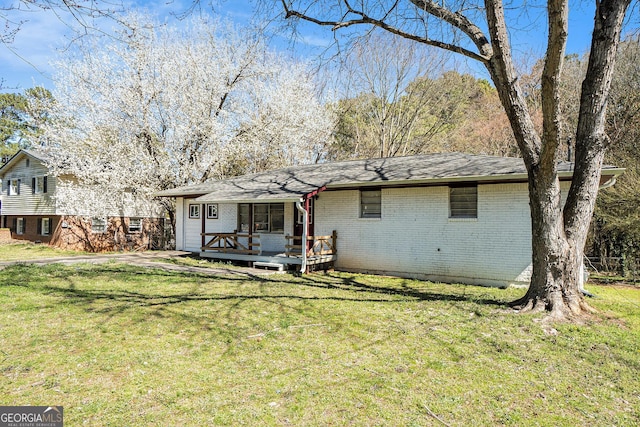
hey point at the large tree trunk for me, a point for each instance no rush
(559, 233)
(557, 280)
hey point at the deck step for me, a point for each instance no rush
(262, 264)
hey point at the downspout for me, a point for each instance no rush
(610, 183)
(305, 223)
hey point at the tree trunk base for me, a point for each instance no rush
(556, 306)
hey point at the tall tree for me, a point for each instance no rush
(158, 107)
(21, 118)
(13, 123)
(388, 99)
(480, 31)
(449, 112)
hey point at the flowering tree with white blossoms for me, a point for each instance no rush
(159, 107)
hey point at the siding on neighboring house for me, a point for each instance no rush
(27, 202)
(32, 202)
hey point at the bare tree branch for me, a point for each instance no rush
(365, 19)
(505, 78)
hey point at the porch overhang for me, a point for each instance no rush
(266, 198)
(268, 194)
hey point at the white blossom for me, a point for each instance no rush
(157, 107)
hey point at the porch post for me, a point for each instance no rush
(203, 216)
(305, 225)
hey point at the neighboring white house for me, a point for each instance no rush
(446, 217)
(32, 211)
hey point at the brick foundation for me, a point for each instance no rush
(75, 233)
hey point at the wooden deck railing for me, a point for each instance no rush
(322, 245)
(231, 243)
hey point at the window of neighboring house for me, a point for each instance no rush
(194, 211)
(45, 226)
(98, 225)
(463, 201)
(371, 203)
(212, 211)
(14, 187)
(267, 217)
(20, 228)
(135, 225)
(39, 184)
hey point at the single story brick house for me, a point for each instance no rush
(446, 217)
(31, 211)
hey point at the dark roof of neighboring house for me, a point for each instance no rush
(16, 157)
(295, 182)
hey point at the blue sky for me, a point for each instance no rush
(25, 63)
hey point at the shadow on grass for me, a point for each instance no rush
(446, 292)
(227, 306)
(343, 287)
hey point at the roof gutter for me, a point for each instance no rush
(519, 177)
(439, 181)
(205, 199)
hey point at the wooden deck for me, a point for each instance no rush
(244, 247)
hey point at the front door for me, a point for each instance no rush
(298, 220)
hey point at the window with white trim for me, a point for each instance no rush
(14, 187)
(194, 211)
(39, 184)
(20, 226)
(463, 201)
(276, 217)
(371, 203)
(267, 217)
(98, 225)
(135, 225)
(261, 218)
(45, 226)
(244, 217)
(212, 211)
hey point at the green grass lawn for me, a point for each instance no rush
(119, 345)
(28, 251)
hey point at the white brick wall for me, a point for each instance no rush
(416, 238)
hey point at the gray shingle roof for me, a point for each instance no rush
(294, 182)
